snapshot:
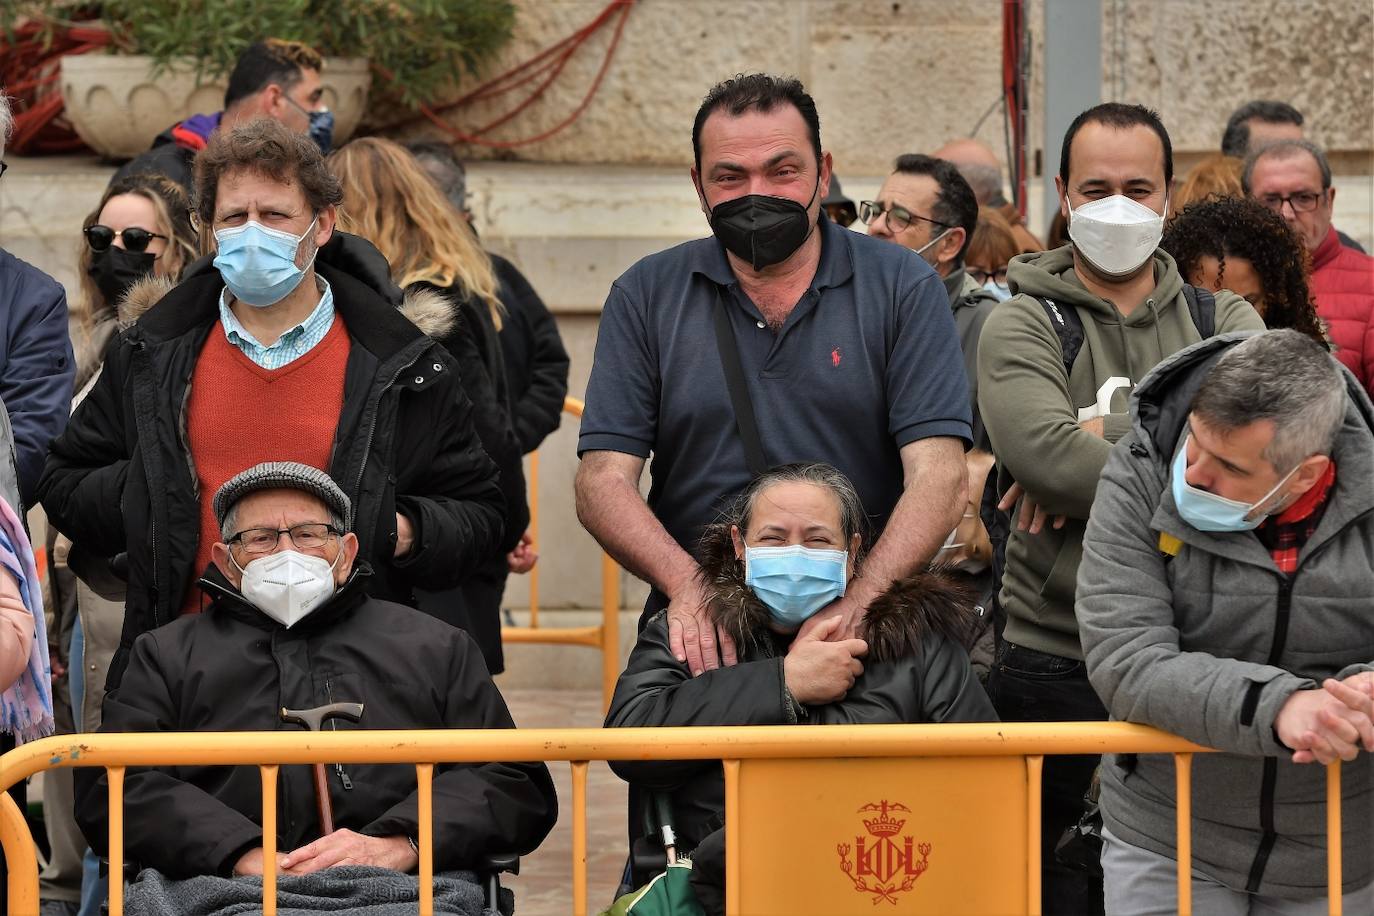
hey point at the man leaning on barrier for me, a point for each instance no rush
(291, 628)
(1224, 596)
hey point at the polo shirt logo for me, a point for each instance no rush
(835, 357)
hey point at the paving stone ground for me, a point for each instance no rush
(544, 885)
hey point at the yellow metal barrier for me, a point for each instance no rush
(606, 635)
(796, 842)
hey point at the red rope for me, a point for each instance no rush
(29, 70)
(549, 63)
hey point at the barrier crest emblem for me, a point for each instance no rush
(885, 862)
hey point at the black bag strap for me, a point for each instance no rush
(1068, 327)
(1202, 305)
(739, 394)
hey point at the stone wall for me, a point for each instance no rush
(894, 76)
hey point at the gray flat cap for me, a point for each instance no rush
(283, 475)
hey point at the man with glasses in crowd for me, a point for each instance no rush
(927, 205)
(1293, 178)
(291, 626)
(36, 363)
(272, 79)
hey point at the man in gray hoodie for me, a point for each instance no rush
(1056, 364)
(1224, 596)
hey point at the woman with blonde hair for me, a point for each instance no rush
(391, 201)
(140, 228)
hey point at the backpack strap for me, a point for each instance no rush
(1068, 327)
(1202, 305)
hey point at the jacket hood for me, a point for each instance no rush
(1159, 404)
(964, 292)
(1050, 275)
(912, 611)
(426, 308)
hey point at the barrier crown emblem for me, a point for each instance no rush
(886, 855)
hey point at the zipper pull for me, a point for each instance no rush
(343, 776)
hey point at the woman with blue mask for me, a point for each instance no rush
(787, 548)
(990, 250)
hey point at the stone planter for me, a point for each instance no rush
(117, 105)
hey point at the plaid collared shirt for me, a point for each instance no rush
(292, 345)
(1285, 534)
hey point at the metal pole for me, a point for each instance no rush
(1073, 77)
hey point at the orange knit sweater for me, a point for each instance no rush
(241, 414)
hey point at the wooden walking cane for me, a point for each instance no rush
(313, 720)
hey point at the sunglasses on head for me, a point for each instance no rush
(135, 239)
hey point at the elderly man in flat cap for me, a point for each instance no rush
(291, 626)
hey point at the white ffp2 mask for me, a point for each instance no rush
(1116, 234)
(287, 586)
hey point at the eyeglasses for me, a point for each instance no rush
(135, 239)
(898, 218)
(308, 536)
(1301, 202)
(982, 276)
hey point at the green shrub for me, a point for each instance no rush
(423, 44)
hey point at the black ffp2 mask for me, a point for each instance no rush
(115, 270)
(762, 229)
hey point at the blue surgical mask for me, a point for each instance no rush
(795, 582)
(1209, 512)
(259, 264)
(322, 129)
(321, 124)
(997, 289)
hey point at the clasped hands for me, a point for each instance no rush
(342, 847)
(1333, 722)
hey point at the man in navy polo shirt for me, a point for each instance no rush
(849, 355)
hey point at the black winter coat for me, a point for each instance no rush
(466, 330)
(916, 671)
(536, 362)
(232, 668)
(120, 478)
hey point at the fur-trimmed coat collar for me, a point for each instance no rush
(915, 609)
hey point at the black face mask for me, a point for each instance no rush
(760, 229)
(114, 270)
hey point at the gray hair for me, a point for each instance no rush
(6, 119)
(852, 518)
(231, 521)
(1283, 376)
(1286, 149)
(984, 179)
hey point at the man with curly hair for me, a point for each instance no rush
(1237, 244)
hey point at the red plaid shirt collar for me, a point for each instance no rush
(1285, 534)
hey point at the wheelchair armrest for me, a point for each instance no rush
(496, 863)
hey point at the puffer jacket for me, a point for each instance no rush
(1343, 285)
(1206, 639)
(232, 668)
(916, 670)
(120, 479)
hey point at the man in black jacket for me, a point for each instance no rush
(291, 626)
(227, 370)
